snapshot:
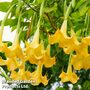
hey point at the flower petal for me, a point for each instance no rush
(54, 38)
(77, 62)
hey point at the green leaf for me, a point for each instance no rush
(22, 36)
(80, 2)
(75, 15)
(47, 10)
(13, 28)
(4, 6)
(83, 9)
(28, 13)
(86, 85)
(40, 1)
(10, 22)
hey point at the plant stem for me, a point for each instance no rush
(16, 40)
(3, 22)
(4, 74)
(65, 6)
(40, 14)
(68, 11)
(69, 69)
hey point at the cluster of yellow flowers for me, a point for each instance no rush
(34, 52)
(79, 60)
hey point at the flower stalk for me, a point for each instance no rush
(4, 74)
(3, 22)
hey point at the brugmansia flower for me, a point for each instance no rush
(69, 76)
(15, 50)
(43, 56)
(3, 46)
(61, 37)
(20, 75)
(48, 60)
(81, 59)
(72, 42)
(12, 64)
(81, 49)
(36, 76)
(80, 62)
(14, 54)
(38, 53)
(39, 56)
(30, 47)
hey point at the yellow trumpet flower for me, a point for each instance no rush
(69, 76)
(12, 63)
(80, 61)
(38, 53)
(35, 42)
(43, 56)
(20, 75)
(81, 49)
(35, 55)
(71, 43)
(61, 37)
(36, 76)
(18, 52)
(32, 47)
(48, 60)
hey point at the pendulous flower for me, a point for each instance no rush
(69, 76)
(36, 76)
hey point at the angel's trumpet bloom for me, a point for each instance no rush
(61, 37)
(30, 47)
(36, 76)
(35, 42)
(37, 54)
(2, 28)
(69, 76)
(15, 51)
(20, 75)
(43, 56)
(82, 49)
(80, 62)
(12, 64)
(72, 43)
(48, 60)
(3, 46)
